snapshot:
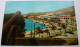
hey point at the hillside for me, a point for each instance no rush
(63, 11)
(36, 14)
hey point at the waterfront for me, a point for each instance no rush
(28, 25)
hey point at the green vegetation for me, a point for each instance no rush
(7, 17)
(63, 25)
(54, 28)
(71, 32)
(38, 30)
(19, 23)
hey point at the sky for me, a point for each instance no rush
(36, 6)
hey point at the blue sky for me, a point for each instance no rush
(36, 6)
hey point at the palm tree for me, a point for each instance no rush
(72, 15)
(34, 30)
(31, 28)
(54, 28)
(47, 31)
(38, 28)
(63, 25)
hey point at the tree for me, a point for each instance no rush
(72, 19)
(63, 25)
(38, 28)
(54, 28)
(47, 31)
(7, 17)
(19, 24)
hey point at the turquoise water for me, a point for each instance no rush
(28, 25)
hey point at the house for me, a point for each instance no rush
(65, 19)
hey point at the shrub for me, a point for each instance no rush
(71, 32)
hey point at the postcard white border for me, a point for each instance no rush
(77, 9)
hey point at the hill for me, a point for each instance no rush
(63, 11)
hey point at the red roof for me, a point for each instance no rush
(58, 17)
(73, 16)
(64, 16)
(59, 24)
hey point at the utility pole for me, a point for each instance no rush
(34, 30)
(31, 29)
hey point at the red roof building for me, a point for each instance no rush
(58, 17)
(65, 16)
